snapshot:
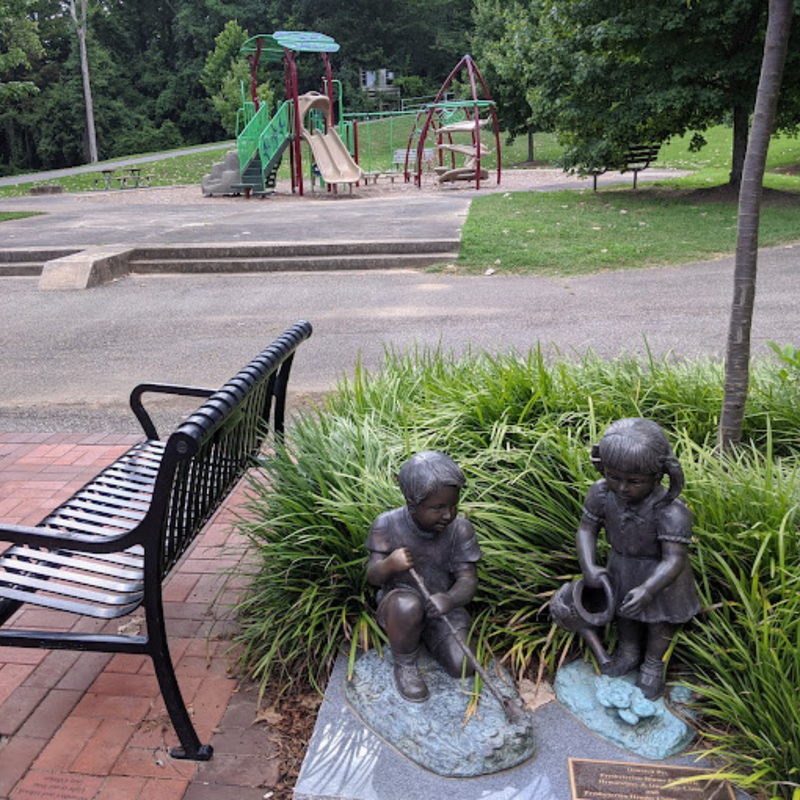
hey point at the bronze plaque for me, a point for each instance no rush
(619, 780)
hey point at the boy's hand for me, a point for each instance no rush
(400, 560)
(439, 605)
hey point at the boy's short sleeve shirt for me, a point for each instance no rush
(436, 556)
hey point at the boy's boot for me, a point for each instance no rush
(651, 678)
(408, 678)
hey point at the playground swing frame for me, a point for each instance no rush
(475, 104)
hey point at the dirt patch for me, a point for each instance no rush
(730, 194)
(791, 169)
(290, 718)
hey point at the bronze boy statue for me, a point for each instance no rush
(649, 530)
(427, 536)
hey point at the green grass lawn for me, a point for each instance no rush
(669, 222)
(6, 215)
(569, 233)
(168, 170)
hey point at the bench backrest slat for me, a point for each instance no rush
(210, 451)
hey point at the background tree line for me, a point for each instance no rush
(146, 60)
(606, 74)
(603, 74)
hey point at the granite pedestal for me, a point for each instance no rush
(347, 761)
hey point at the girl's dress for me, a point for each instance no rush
(635, 534)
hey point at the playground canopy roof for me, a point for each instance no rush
(271, 46)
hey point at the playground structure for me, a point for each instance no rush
(442, 119)
(335, 158)
(300, 118)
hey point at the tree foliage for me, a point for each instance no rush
(606, 74)
(499, 46)
(19, 46)
(151, 79)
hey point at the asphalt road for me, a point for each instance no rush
(69, 359)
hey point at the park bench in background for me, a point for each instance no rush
(399, 161)
(637, 158)
(104, 552)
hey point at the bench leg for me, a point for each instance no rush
(190, 748)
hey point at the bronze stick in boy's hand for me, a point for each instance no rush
(513, 712)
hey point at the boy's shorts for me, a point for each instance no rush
(434, 629)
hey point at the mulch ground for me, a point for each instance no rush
(291, 718)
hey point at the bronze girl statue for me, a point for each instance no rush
(649, 531)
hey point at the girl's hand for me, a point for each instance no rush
(636, 600)
(399, 560)
(440, 604)
(593, 575)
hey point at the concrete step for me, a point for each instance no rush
(291, 263)
(21, 269)
(25, 262)
(293, 256)
(294, 249)
(90, 266)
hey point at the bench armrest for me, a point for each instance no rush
(59, 540)
(159, 388)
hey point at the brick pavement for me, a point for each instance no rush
(92, 726)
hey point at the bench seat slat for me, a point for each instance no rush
(109, 482)
(108, 521)
(104, 509)
(105, 493)
(15, 566)
(60, 589)
(136, 477)
(108, 500)
(58, 523)
(61, 604)
(139, 459)
(129, 568)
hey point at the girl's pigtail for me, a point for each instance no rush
(672, 468)
(597, 462)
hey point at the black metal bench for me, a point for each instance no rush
(104, 552)
(636, 158)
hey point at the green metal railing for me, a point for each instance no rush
(265, 137)
(248, 142)
(275, 136)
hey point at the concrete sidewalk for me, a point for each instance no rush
(93, 726)
(69, 359)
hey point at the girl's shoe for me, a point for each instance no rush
(651, 678)
(625, 659)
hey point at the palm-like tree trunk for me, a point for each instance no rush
(80, 28)
(737, 363)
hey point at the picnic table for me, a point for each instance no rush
(134, 179)
(106, 176)
(131, 178)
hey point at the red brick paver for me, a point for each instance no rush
(93, 725)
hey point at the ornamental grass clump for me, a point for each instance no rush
(520, 428)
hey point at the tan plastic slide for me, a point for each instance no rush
(333, 159)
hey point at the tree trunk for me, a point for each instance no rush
(737, 361)
(80, 28)
(530, 147)
(741, 122)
